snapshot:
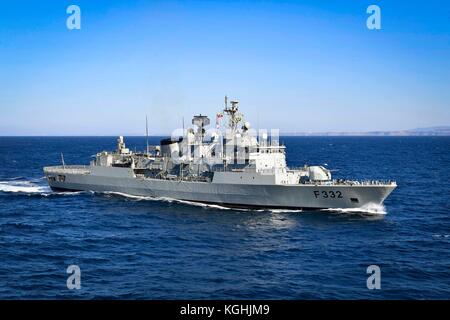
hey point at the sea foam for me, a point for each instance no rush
(23, 187)
(370, 208)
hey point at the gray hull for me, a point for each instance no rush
(299, 196)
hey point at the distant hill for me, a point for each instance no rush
(431, 131)
(441, 130)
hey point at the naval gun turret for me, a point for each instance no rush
(319, 173)
(121, 148)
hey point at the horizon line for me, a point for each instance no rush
(441, 130)
(312, 135)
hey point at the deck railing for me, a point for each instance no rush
(73, 169)
(352, 182)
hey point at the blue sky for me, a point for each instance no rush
(293, 65)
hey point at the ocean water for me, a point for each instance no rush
(141, 248)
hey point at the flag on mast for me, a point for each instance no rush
(219, 116)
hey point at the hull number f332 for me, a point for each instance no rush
(328, 194)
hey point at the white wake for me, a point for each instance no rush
(170, 200)
(23, 187)
(31, 187)
(198, 204)
(370, 208)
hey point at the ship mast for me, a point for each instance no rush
(146, 134)
(235, 117)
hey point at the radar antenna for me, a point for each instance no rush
(232, 112)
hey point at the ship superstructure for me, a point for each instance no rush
(230, 165)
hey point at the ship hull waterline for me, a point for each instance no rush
(299, 196)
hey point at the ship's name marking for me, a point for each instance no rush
(327, 194)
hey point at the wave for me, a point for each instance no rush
(284, 210)
(198, 204)
(441, 236)
(18, 186)
(126, 195)
(205, 205)
(370, 208)
(14, 178)
(167, 199)
(30, 187)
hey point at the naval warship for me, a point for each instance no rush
(230, 165)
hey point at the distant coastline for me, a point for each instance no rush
(431, 131)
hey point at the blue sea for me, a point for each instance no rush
(141, 248)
